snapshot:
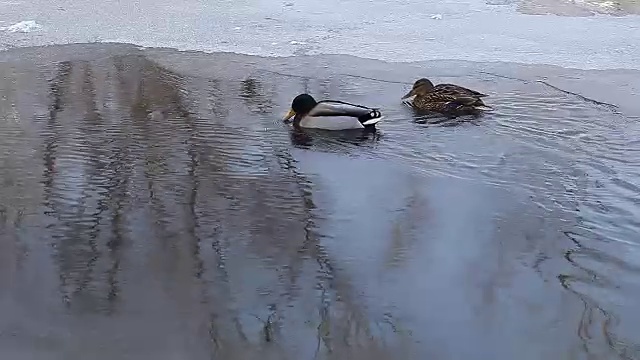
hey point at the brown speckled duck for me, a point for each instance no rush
(447, 99)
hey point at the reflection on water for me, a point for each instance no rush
(151, 214)
(333, 140)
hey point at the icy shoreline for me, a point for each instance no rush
(393, 32)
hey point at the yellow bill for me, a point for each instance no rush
(289, 115)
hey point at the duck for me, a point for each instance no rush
(447, 99)
(331, 114)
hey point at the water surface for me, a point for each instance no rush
(153, 207)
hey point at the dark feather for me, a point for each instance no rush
(467, 101)
(447, 104)
(457, 90)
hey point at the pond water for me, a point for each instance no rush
(154, 207)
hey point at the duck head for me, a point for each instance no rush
(420, 87)
(301, 106)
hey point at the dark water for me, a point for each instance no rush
(153, 207)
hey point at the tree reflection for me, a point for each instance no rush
(162, 208)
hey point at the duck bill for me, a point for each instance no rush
(409, 94)
(289, 115)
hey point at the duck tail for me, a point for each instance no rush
(474, 102)
(466, 104)
(371, 118)
(372, 121)
(484, 107)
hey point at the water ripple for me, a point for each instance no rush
(160, 196)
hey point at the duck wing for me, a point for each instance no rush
(433, 101)
(438, 97)
(445, 103)
(328, 108)
(457, 90)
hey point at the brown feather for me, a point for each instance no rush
(457, 90)
(447, 99)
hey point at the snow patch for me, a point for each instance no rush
(23, 27)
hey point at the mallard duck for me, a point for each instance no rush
(330, 114)
(447, 99)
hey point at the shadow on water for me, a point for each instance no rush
(333, 140)
(153, 207)
(438, 120)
